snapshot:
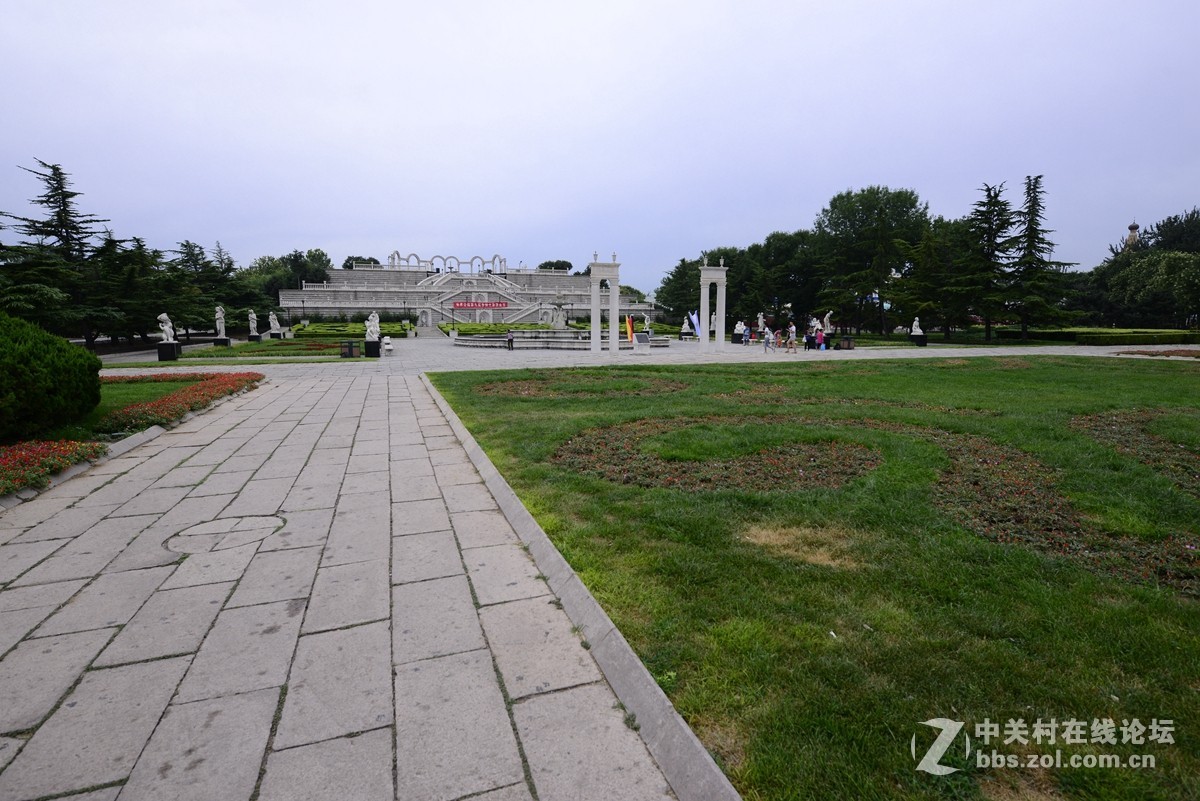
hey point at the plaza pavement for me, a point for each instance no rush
(322, 589)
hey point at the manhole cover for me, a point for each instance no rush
(228, 532)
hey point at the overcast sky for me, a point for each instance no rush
(549, 130)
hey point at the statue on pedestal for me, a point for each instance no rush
(168, 330)
(220, 322)
(253, 323)
(373, 327)
(273, 321)
(916, 327)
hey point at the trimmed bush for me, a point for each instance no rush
(45, 381)
(1043, 336)
(1174, 338)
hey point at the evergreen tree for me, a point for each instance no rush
(1038, 288)
(984, 280)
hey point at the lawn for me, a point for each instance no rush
(812, 559)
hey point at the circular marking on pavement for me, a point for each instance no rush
(219, 535)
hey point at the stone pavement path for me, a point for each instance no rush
(304, 593)
(309, 592)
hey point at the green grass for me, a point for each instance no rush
(112, 398)
(271, 348)
(806, 630)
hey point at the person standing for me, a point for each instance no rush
(820, 338)
(509, 339)
(791, 337)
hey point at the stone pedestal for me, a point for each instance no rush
(371, 351)
(920, 340)
(276, 335)
(169, 351)
(222, 342)
(254, 338)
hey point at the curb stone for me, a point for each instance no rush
(683, 759)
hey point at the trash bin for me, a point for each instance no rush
(847, 343)
(351, 349)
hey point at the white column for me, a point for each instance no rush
(595, 313)
(720, 344)
(702, 317)
(614, 317)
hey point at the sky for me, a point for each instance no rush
(542, 130)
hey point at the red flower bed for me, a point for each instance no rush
(169, 408)
(30, 464)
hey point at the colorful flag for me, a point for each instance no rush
(629, 326)
(695, 316)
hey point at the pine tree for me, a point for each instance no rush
(983, 282)
(1037, 283)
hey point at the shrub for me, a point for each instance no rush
(45, 381)
(1044, 336)
(1174, 338)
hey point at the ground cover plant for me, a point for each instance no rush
(198, 391)
(270, 348)
(30, 464)
(812, 559)
(349, 330)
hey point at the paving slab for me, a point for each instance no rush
(535, 648)
(110, 600)
(468, 498)
(503, 573)
(33, 512)
(89, 553)
(67, 523)
(225, 483)
(361, 531)
(97, 734)
(434, 618)
(205, 750)
(413, 488)
(418, 557)
(8, 750)
(340, 684)
(481, 528)
(358, 768)
(579, 748)
(375, 483)
(150, 501)
(17, 557)
(301, 529)
(36, 674)
(453, 734)
(277, 576)
(183, 477)
(415, 517)
(51, 595)
(214, 567)
(259, 497)
(458, 473)
(171, 622)
(347, 595)
(16, 623)
(249, 648)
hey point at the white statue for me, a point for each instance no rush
(827, 325)
(685, 328)
(762, 321)
(740, 328)
(558, 318)
(164, 322)
(220, 322)
(712, 322)
(646, 323)
(253, 323)
(273, 321)
(373, 327)
(916, 327)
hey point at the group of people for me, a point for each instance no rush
(814, 337)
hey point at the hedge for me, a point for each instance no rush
(1044, 336)
(348, 330)
(1173, 338)
(45, 381)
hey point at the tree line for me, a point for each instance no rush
(877, 259)
(69, 273)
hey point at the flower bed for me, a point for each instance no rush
(169, 408)
(30, 464)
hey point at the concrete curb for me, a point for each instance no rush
(683, 759)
